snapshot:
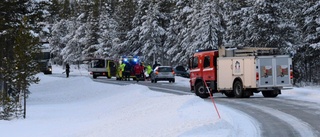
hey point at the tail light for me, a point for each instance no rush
(257, 76)
(173, 72)
(103, 74)
(291, 72)
(156, 72)
(91, 73)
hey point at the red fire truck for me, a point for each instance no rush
(239, 72)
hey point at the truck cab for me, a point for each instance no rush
(203, 67)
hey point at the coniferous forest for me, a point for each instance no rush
(169, 31)
(172, 30)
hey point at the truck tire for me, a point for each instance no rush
(201, 90)
(238, 89)
(270, 94)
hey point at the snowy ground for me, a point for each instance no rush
(79, 107)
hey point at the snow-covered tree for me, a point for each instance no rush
(178, 31)
(171, 30)
(307, 55)
(132, 42)
(236, 16)
(152, 33)
(109, 37)
(59, 38)
(207, 27)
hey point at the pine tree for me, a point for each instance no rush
(237, 15)
(151, 34)
(109, 37)
(20, 47)
(307, 55)
(178, 31)
(132, 42)
(124, 14)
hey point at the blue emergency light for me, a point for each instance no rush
(135, 60)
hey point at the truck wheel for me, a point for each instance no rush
(201, 90)
(237, 89)
(270, 94)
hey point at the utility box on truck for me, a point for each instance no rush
(229, 68)
(240, 72)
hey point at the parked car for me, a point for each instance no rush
(181, 71)
(163, 73)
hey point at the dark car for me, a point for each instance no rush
(181, 71)
(163, 73)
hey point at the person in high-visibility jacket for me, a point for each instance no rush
(121, 70)
(149, 71)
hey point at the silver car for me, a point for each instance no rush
(163, 73)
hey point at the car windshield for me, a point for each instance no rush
(164, 69)
(98, 63)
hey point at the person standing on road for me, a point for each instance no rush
(156, 64)
(121, 70)
(67, 69)
(137, 71)
(127, 71)
(142, 71)
(149, 71)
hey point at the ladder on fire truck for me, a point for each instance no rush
(247, 51)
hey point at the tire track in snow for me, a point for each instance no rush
(301, 127)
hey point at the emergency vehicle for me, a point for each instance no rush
(131, 60)
(102, 67)
(240, 72)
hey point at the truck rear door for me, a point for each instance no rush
(112, 68)
(274, 71)
(282, 72)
